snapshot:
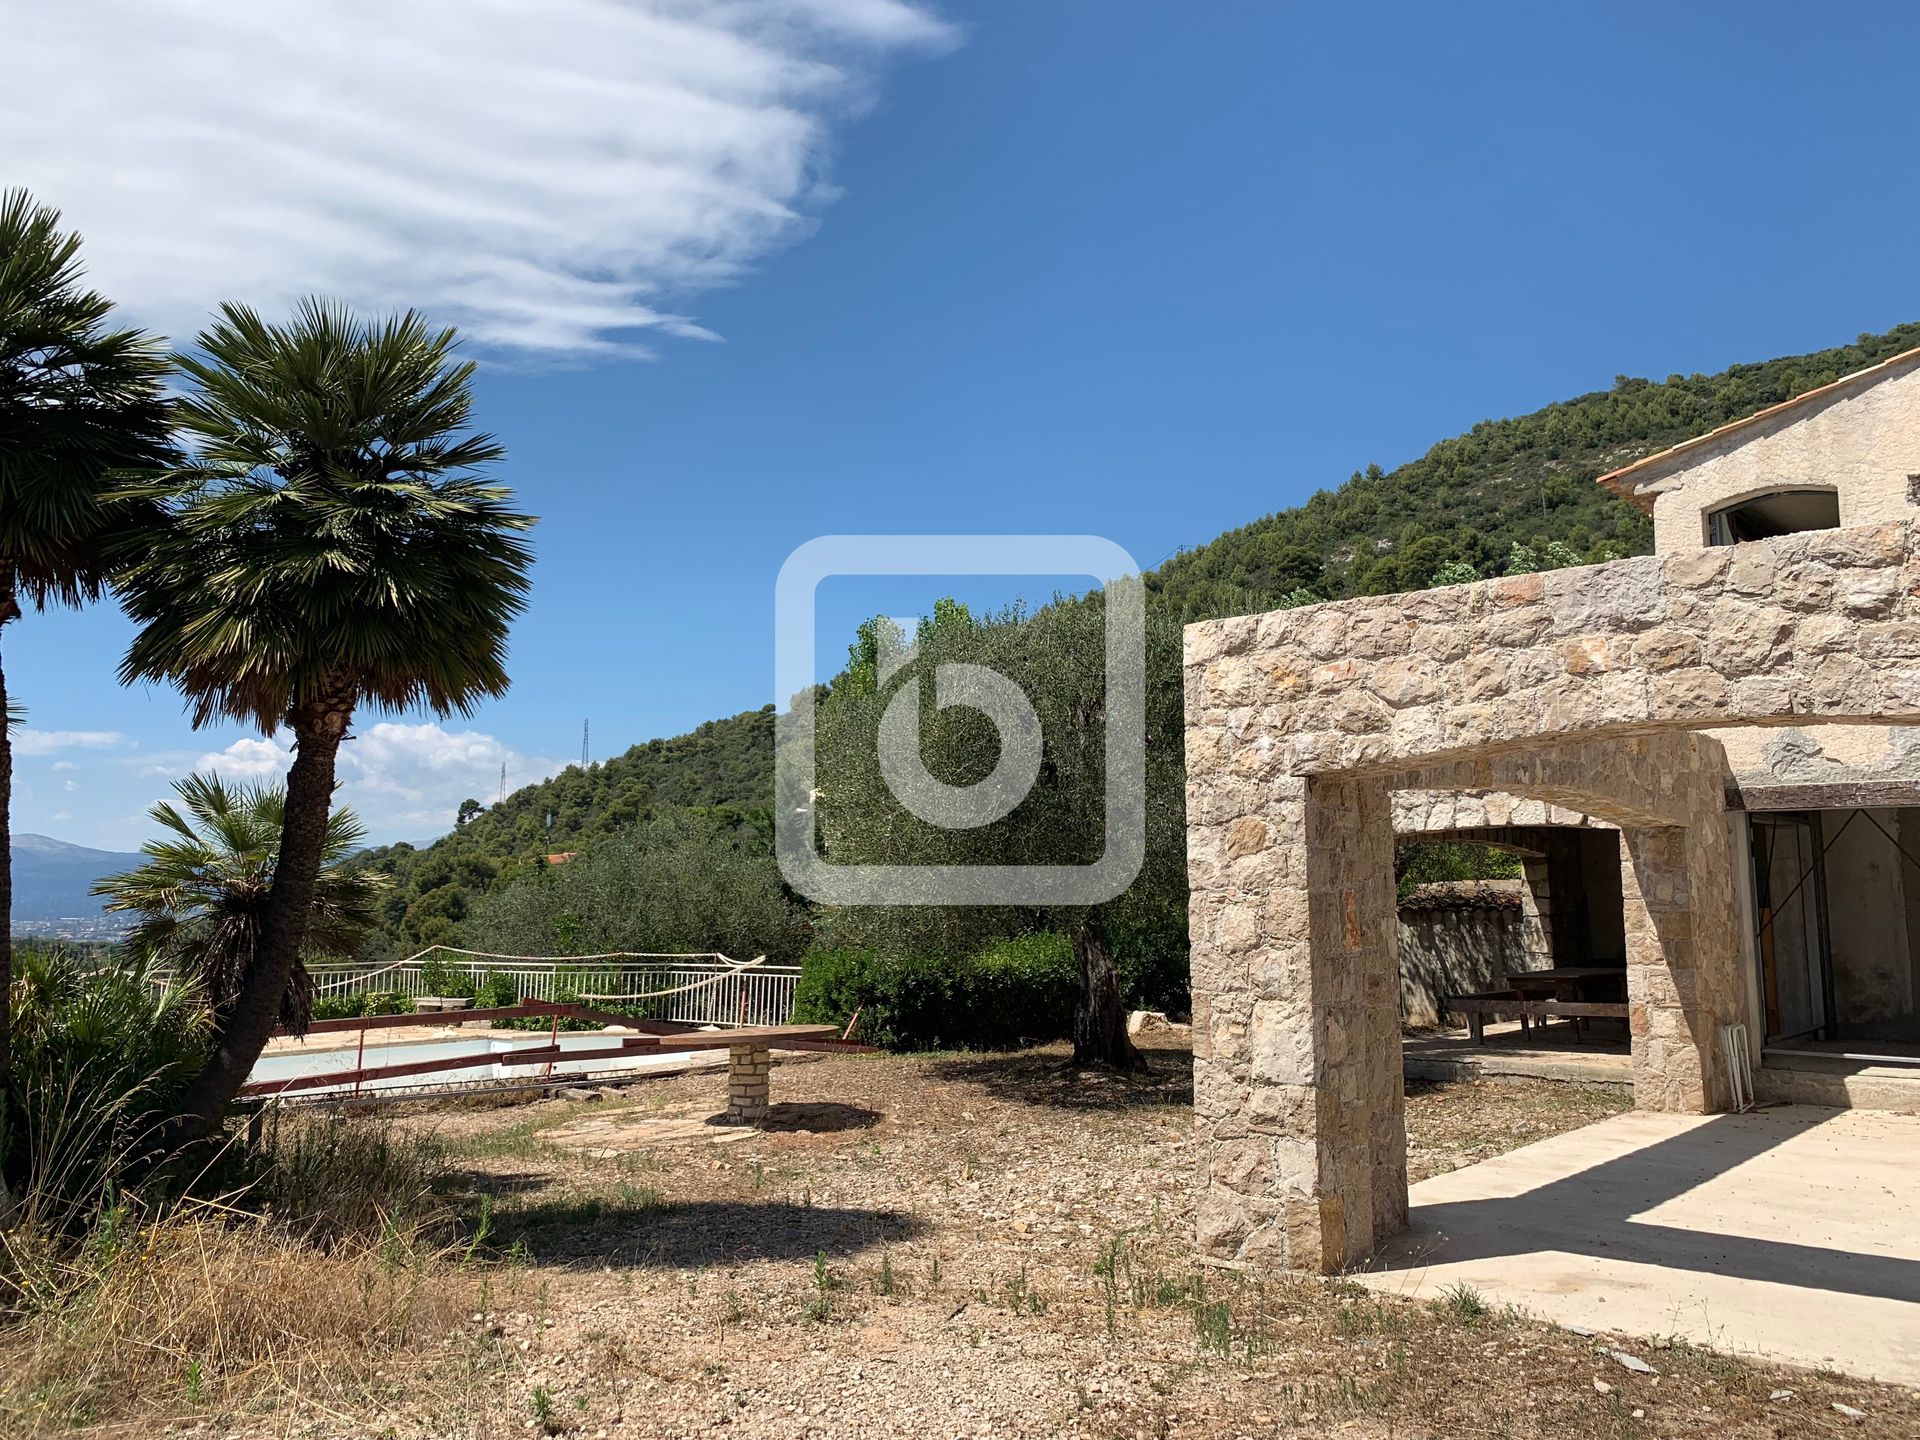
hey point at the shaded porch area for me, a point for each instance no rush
(1603, 1055)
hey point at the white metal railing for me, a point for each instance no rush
(691, 990)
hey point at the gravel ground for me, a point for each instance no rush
(991, 1246)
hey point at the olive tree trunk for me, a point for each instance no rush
(318, 730)
(1099, 1019)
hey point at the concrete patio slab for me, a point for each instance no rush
(1792, 1234)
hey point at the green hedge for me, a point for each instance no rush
(1150, 951)
(366, 1002)
(1016, 993)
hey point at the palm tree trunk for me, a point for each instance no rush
(9, 611)
(1099, 1020)
(318, 729)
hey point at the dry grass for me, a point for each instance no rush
(333, 1277)
(942, 1245)
(205, 1311)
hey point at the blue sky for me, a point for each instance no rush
(1138, 269)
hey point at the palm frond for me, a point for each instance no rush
(84, 416)
(201, 895)
(333, 535)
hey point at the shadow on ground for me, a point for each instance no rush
(1045, 1077)
(1613, 1210)
(643, 1232)
(811, 1117)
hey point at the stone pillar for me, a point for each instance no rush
(1683, 946)
(1683, 963)
(749, 1082)
(1536, 912)
(1297, 1085)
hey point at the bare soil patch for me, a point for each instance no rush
(983, 1245)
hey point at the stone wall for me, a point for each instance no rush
(1452, 944)
(1576, 689)
(1811, 627)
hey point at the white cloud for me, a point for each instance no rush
(249, 760)
(555, 177)
(62, 766)
(48, 742)
(402, 780)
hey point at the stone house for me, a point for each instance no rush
(1710, 751)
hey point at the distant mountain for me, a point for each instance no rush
(51, 880)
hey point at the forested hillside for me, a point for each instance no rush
(724, 768)
(1471, 499)
(1525, 482)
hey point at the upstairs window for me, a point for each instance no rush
(1778, 512)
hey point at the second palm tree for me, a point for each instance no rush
(332, 545)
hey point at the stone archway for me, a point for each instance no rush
(1580, 688)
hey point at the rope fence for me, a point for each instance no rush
(705, 988)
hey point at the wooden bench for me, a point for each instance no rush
(1511, 1005)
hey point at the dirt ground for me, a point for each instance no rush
(989, 1246)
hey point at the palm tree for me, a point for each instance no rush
(202, 895)
(82, 406)
(333, 546)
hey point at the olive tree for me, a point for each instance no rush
(1057, 656)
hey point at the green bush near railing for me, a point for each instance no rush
(1019, 992)
(364, 1002)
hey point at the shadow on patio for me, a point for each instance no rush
(1792, 1232)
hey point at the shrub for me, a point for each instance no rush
(1020, 991)
(361, 1002)
(1015, 992)
(101, 1051)
(1150, 949)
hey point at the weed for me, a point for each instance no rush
(482, 1228)
(640, 1197)
(1022, 1297)
(1213, 1326)
(1106, 1269)
(1462, 1302)
(825, 1282)
(541, 1403)
(885, 1283)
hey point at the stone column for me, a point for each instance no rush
(1297, 1085)
(749, 1082)
(1683, 963)
(1536, 911)
(1683, 947)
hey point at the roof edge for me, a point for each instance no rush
(1625, 481)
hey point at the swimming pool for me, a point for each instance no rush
(289, 1065)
